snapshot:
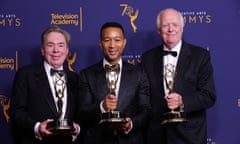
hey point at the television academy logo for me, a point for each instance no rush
(67, 18)
(10, 63)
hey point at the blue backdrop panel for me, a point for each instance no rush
(210, 24)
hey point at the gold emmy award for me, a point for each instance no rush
(112, 116)
(61, 125)
(174, 115)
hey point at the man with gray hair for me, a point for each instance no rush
(181, 83)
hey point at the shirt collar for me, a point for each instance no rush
(176, 48)
(106, 62)
(49, 67)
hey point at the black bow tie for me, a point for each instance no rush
(110, 68)
(60, 72)
(173, 53)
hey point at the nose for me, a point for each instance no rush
(170, 27)
(55, 49)
(112, 43)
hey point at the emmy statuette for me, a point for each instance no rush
(61, 125)
(112, 116)
(174, 115)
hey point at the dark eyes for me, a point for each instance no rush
(53, 45)
(107, 40)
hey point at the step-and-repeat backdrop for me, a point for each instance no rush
(211, 24)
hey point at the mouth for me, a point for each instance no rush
(171, 34)
(112, 51)
(55, 57)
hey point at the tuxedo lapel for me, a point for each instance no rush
(69, 96)
(103, 84)
(157, 72)
(44, 88)
(101, 80)
(123, 85)
(182, 64)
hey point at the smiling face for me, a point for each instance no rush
(55, 49)
(170, 27)
(112, 43)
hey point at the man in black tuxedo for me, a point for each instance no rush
(34, 101)
(192, 82)
(131, 96)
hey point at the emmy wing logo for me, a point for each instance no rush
(5, 105)
(70, 60)
(133, 15)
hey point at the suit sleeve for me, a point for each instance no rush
(200, 84)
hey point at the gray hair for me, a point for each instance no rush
(55, 28)
(162, 11)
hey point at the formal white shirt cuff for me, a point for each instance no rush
(131, 126)
(101, 107)
(36, 131)
(74, 137)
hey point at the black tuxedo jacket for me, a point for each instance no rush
(133, 100)
(32, 101)
(194, 81)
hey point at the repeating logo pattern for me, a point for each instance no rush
(10, 20)
(9, 63)
(132, 14)
(67, 18)
(70, 60)
(5, 103)
(199, 17)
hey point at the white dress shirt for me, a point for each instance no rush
(169, 59)
(47, 68)
(118, 81)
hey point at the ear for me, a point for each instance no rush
(68, 50)
(100, 44)
(125, 42)
(42, 51)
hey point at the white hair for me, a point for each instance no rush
(162, 11)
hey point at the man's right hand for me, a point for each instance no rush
(44, 132)
(110, 102)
